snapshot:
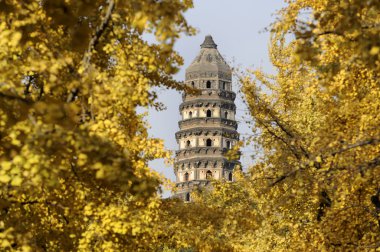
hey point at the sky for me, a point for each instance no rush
(238, 28)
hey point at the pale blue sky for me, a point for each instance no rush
(238, 28)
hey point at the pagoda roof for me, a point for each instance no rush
(209, 59)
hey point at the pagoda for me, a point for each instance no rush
(208, 128)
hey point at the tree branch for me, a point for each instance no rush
(87, 56)
(355, 145)
(278, 122)
(372, 163)
(98, 33)
(278, 180)
(12, 97)
(280, 138)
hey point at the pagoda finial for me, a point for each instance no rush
(209, 42)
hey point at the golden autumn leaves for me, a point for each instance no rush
(72, 75)
(317, 123)
(74, 152)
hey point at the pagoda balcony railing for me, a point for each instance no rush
(229, 95)
(200, 151)
(207, 122)
(196, 150)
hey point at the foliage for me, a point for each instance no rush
(219, 218)
(73, 149)
(317, 119)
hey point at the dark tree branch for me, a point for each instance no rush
(375, 199)
(371, 164)
(283, 128)
(13, 97)
(281, 139)
(355, 145)
(332, 32)
(87, 56)
(324, 202)
(283, 177)
(98, 33)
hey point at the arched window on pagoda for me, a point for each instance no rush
(186, 177)
(226, 114)
(192, 84)
(228, 145)
(208, 175)
(208, 113)
(209, 142)
(190, 114)
(230, 176)
(208, 84)
(188, 143)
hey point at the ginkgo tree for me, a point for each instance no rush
(317, 119)
(73, 149)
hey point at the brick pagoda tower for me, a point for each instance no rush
(208, 126)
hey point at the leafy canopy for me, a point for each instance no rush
(316, 187)
(73, 149)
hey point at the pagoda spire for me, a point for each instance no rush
(209, 42)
